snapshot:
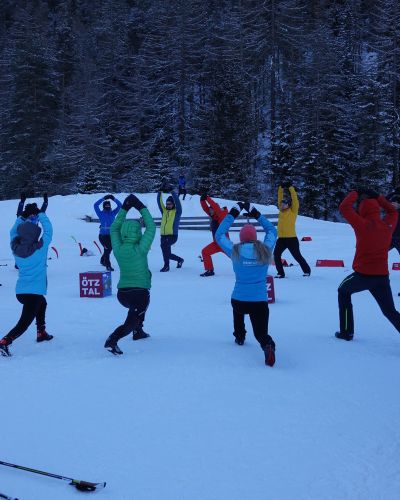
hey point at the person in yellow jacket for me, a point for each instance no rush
(287, 237)
(171, 214)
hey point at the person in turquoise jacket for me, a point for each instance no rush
(250, 259)
(130, 249)
(171, 215)
(30, 253)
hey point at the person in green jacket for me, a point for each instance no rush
(130, 249)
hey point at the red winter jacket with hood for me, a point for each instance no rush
(373, 234)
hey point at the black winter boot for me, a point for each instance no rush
(140, 334)
(112, 346)
(164, 269)
(42, 335)
(269, 352)
(210, 272)
(4, 348)
(344, 336)
(180, 263)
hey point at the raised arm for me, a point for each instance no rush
(115, 229)
(96, 207)
(295, 200)
(47, 228)
(160, 202)
(214, 205)
(178, 205)
(118, 207)
(347, 210)
(280, 196)
(220, 237)
(391, 214)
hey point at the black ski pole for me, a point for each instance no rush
(79, 484)
(6, 497)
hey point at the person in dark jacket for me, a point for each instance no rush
(217, 214)
(106, 217)
(250, 260)
(130, 249)
(182, 186)
(370, 264)
(30, 253)
(171, 215)
(394, 198)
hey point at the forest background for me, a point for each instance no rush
(124, 95)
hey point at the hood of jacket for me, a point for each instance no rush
(131, 231)
(27, 241)
(370, 209)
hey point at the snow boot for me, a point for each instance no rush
(164, 269)
(209, 272)
(280, 276)
(140, 334)
(344, 336)
(112, 346)
(269, 352)
(306, 274)
(180, 263)
(42, 335)
(239, 340)
(4, 348)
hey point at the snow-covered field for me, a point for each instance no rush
(188, 414)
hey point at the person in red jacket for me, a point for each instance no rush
(370, 264)
(217, 214)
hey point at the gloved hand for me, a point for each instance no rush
(109, 197)
(203, 197)
(371, 193)
(30, 209)
(23, 197)
(235, 211)
(128, 202)
(253, 212)
(136, 203)
(244, 205)
(286, 184)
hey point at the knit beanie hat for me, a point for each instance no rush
(248, 233)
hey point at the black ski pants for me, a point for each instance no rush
(259, 316)
(136, 300)
(379, 286)
(34, 306)
(105, 240)
(166, 244)
(291, 244)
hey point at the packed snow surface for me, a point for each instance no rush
(187, 414)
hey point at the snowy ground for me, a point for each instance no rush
(188, 414)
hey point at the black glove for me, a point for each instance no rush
(30, 209)
(244, 205)
(23, 197)
(253, 212)
(286, 184)
(45, 198)
(203, 197)
(136, 203)
(235, 211)
(109, 197)
(371, 193)
(128, 202)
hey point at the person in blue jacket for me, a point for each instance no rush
(250, 260)
(106, 217)
(30, 253)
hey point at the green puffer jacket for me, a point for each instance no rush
(131, 248)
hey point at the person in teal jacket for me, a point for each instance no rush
(250, 259)
(30, 253)
(130, 249)
(171, 214)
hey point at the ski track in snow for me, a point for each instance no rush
(188, 414)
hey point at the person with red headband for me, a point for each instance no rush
(250, 260)
(217, 214)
